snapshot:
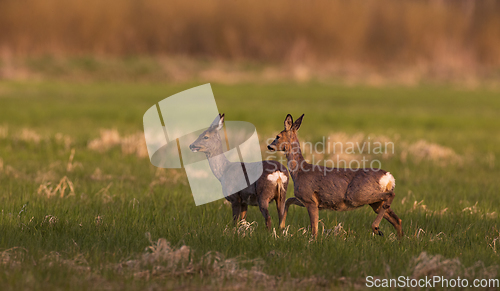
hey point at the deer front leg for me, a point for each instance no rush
(313, 211)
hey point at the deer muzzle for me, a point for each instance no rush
(194, 148)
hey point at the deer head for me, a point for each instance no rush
(288, 136)
(209, 141)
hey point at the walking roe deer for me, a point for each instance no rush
(339, 189)
(271, 185)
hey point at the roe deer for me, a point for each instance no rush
(339, 189)
(271, 185)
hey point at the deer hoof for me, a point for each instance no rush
(376, 230)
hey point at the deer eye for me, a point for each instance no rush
(205, 137)
(277, 137)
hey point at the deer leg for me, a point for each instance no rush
(293, 200)
(313, 211)
(380, 208)
(290, 201)
(244, 208)
(387, 216)
(280, 206)
(263, 205)
(377, 207)
(391, 220)
(236, 211)
(395, 221)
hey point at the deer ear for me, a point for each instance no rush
(221, 121)
(288, 122)
(297, 123)
(218, 122)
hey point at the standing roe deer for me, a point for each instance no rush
(339, 189)
(271, 185)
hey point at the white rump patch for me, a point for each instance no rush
(277, 175)
(387, 182)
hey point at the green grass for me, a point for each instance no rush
(98, 229)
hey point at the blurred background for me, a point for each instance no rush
(368, 42)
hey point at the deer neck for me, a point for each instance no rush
(217, 161)
(295, 159)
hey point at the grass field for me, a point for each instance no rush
(117, 222)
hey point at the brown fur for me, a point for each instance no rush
(260, 193)
(339, 189)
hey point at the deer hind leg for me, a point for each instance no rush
(263, 205)
(380, 208)
(390, 216)
(280, 206)
(290, 201)
(395, 221)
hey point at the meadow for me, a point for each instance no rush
(82, 207)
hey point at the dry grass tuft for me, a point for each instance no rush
(495, 240)
(424, 150)
(63, 139)
(110, 138)
(422, 207)
(166, 177)
(354, 147)
(492, 215)
(70, 166)
(474, 209)
(105, 194)
(161, 257)
(429, 265)
(337, 230)
(78, 264)
(436, 265)
(29, 135)
(9, 171)
(162, 260)
(13, 257)
(51, 191)
(98, 220)
(135, 144)
(242, 229)
(99, 176)
(161, 251)
(341, 149)
(50, 220)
